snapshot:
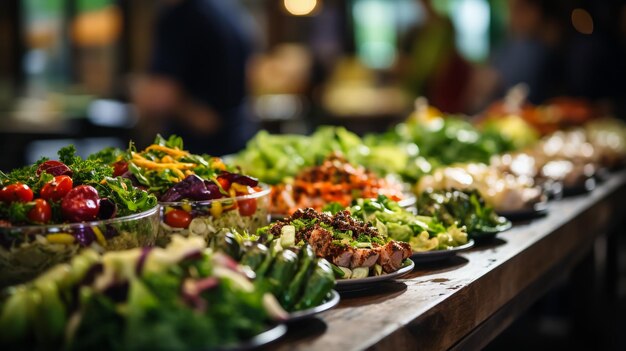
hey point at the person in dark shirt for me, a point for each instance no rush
(197, 83)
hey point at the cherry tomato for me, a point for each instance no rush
(57, 188)
(55, 168)
(41, 212)
(119, 168)
(178, 218)
(224, 183)
(16, 192)
(247, 207)
(81, 204)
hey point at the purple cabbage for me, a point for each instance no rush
(239, 178)
(142, 260)
(191, 188)
(195, 188)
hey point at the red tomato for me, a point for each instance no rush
(55, 168)
(81, 204)
(16, 192)
(224, 183)
(57, 188)
(247, 207)
(178, 218)
(119, 168)
(41, 212)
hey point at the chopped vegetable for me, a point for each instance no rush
(463, 208)
(335, 180)
(422, 232)
(342, 240)
(180, 297)
(173, 174)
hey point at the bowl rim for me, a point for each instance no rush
(134, 216)
(265, 190)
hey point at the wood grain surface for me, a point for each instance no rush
(466, 301)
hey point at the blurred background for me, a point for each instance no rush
(99, 72)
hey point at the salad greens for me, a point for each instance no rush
(463, 207)
(448, 140)
(423, 233)
(128, 198)
(164, 164)
(276, 158)
(410, 149)
(108, 155)
(90, 171)
(179, 298)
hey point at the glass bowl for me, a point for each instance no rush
(206, 218)
(26, 251)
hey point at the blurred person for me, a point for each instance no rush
(432, 66)
(554, 55)
(196, 87)
(531, 55)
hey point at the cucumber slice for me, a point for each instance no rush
(360, 273)
(347, 272)
(287, 236)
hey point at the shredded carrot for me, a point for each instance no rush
(179, 173)
(335, 180)
(142, 162)
(167, 150)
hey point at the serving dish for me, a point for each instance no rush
(440, 255)
(368, 282)
(485, 236)
(331, 301)
(27, 251)
(536, 210)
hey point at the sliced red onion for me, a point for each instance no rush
(226, 261)
(191, 290)
(142, 260)
(206, 284)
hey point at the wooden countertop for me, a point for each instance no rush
(465, 302)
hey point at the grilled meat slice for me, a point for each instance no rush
(321, 240)
(392, 255)
(341, 256)
(364, 258)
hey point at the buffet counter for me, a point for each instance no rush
(465, 302)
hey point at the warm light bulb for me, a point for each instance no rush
(582, 21)
(300, 7)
